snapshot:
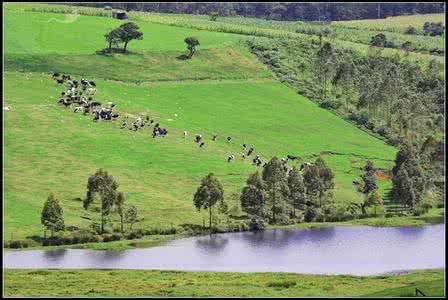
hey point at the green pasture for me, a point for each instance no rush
(136, 283)
(393, 24)
(223, 90)
(50, 33)
(51, 149)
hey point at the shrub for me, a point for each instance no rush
(256, 224)
(15, 244)
(410, 30)
(135, 234)
(107, 238)
(282, 284)
(111, 237)
(330, 104)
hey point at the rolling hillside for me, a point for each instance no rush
(223, 90)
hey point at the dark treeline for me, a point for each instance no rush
(283, 11)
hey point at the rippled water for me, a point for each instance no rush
(359, 250)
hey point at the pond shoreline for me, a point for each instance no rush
(153, 241)
(350, 250)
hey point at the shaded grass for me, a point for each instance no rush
(136, 283)
(219, 63)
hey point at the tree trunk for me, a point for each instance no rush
(121, 221)
(210, 219)
(273, 205)
(125, 45)
(102, 219)
(110, 46)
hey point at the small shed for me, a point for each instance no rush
(119, 14)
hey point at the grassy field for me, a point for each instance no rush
(119, 283)
(393, 24)
(252, 27)
(37, 162)
(224, 89)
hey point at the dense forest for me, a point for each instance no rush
(283, 11)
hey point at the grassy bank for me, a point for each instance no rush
(136, 283)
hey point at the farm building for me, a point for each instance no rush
(118, 14)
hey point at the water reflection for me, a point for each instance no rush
(55, 255)
(359, 250)
(212, 244)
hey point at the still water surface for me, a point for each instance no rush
(358, 250)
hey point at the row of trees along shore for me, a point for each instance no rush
(275, 196)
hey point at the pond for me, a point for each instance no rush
(357, 250)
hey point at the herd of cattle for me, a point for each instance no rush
(80, 95)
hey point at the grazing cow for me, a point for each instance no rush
(115, 116)
(94, 104)
(257, 161)
(66, 103)
(229, 139)
(97, 115)
(230, 158)
(198, 138)
(125, 123)
(157, 125)
(202, 144)
(185, 134)
(92, 83)
(251, 149)
(152, 121)
(244, 146)
(243, 155)
(79, 108)
(215, 136)
(56, 75)
(291, 157)
(59, 81)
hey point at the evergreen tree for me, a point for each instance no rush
(274, 177)
(208, 194)
(408, 180)
(52, 215)
(131, 215)
(120, 209)
(296, 188)
(326, 179)
(252, 196)
(105, 186)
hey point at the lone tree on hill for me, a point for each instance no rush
(208, 194)
(105, 186)
(114, 37)
(191, 42)
(129, 31)
(52, 215)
